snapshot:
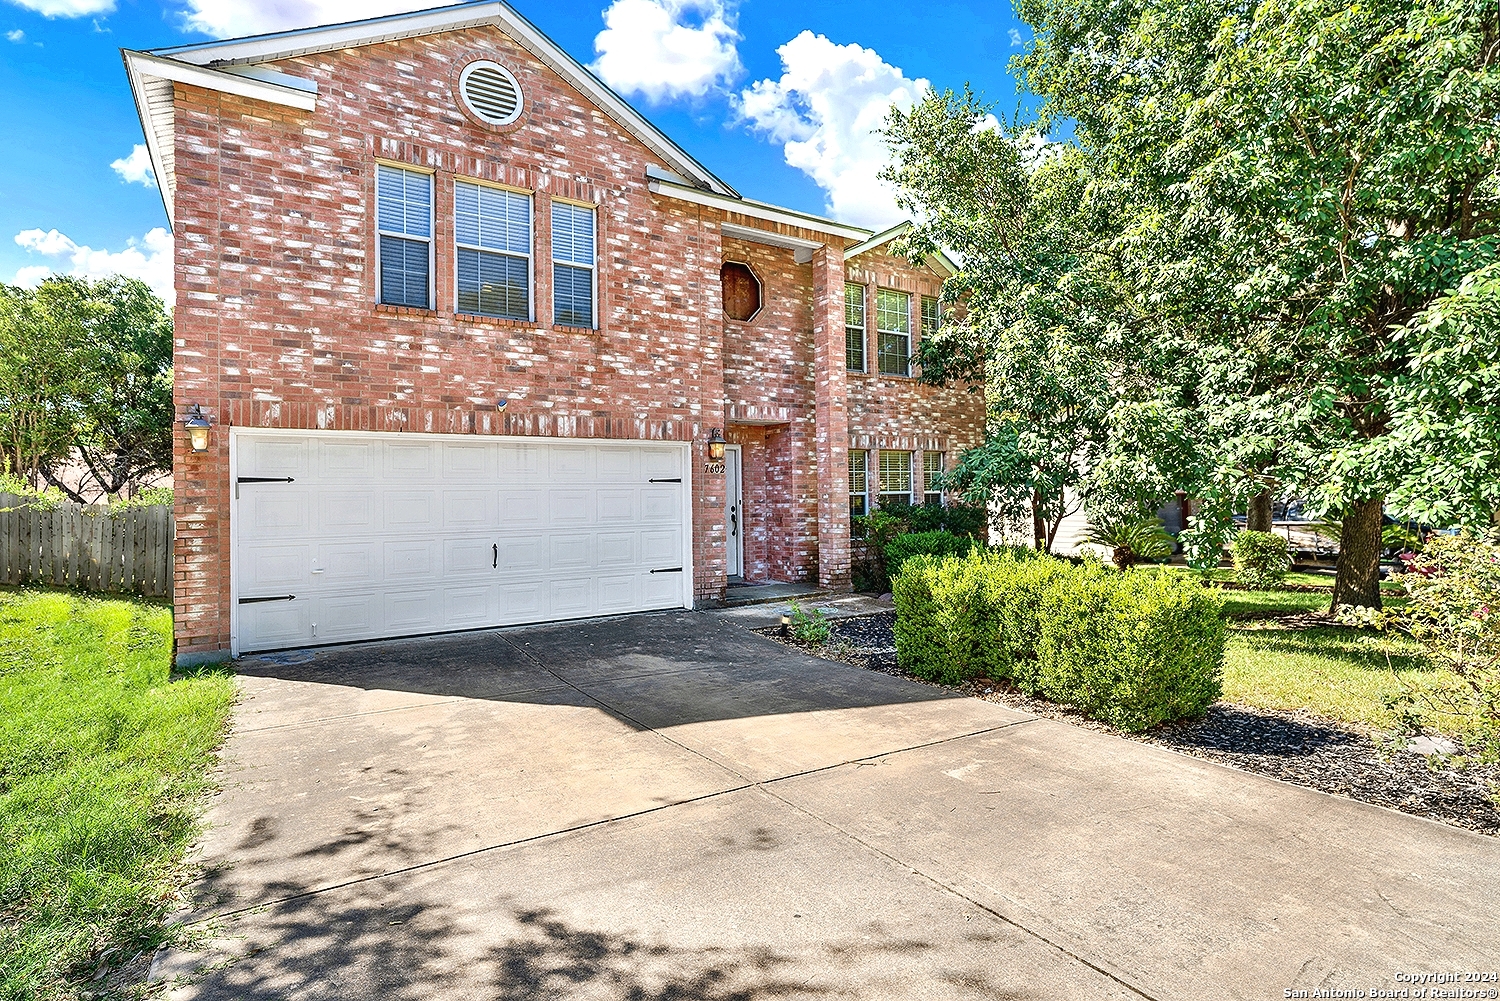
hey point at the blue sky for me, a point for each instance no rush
(775, 96)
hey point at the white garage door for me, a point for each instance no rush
(342, 537)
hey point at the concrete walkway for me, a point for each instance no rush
(669, 806)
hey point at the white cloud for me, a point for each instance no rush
(232, 18)
(18, 36)
(66, 8)
(666, 49)
(149, 259)
(826, 108)
(1016, 40)
(136, 168)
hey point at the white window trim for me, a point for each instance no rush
(942, 495)
(866, 492)
(911, 477)
(864, 329)
(908, 335)
(593, 268)
(529, 256)
(431, 235)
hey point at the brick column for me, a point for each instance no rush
(831, 417)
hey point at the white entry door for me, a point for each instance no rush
(351, 536)
(734, 513)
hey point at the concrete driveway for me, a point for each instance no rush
(669, 806)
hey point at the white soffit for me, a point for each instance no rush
(757, 210)
(944, 264)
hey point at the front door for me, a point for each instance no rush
(734, 513)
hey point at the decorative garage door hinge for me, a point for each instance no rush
(669, 570)
(665, 479)
(274, 597)
(258, 479)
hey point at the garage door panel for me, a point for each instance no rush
(568, 507)
(348, 460)
(413, 612)
(570, 463)
(410, 511)
(346, 512)
(474, 462)
(275, 457)
(523, 602)
(617, 465)
(571, 597)
(521, 508)
(570, 552)
(278, 623)
(528, 555)
(466, 607)
(616, 549)
(661, 548)
(346, 564)
(657, 463)
(408, 561)
(661, 504)
(408, 460)
(383, 535)
(275, 511)
(346, 616)
(618, 593)
(468, 509)
(661, 590)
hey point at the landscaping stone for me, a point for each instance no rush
(1296, 747)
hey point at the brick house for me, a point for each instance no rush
(464, 324)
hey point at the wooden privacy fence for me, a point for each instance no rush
(86, 546)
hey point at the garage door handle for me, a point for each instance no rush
(496, 563)
(669, 570)
(274, 597)
(665, 479)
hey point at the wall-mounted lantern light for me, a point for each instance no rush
(197, 424)
(716, 445)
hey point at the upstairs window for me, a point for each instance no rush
(932, 471)
(403, 221)
(932, 316)
(741, 291)
(492, 231)
(572, 265)
(859, 483)
(854, 327)
(895, 478)
(893, 325)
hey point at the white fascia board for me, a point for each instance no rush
(164, 184)
(768, 238)
(943, 261)
(304, 98)
(756, 210)
(305, 41)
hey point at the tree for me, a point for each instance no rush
(1017, 213)
(1312, 178)
(85, 373)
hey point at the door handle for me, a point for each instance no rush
(496, 563)
(734, 522)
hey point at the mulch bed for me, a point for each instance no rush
(1295, 747)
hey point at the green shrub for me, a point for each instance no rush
(1132, 540)
(1261, 559)
(960, 519)
(903, 547)
(1134, 648)
(809, 627)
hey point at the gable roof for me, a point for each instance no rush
(944, 262)
(234, 66)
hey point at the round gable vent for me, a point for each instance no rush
(491, 92)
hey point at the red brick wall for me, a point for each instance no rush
(276, 322)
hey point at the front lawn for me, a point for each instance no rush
(104, 757)
(1335, 672)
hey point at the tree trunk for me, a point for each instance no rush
(1038, 523)
(1259, 516)
(1358, 580)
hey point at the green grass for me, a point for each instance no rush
(104, 757)
(1240, 604)
(1343, 674)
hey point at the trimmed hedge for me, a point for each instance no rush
(940, 543)
(1134, 648)
(1261, 559)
